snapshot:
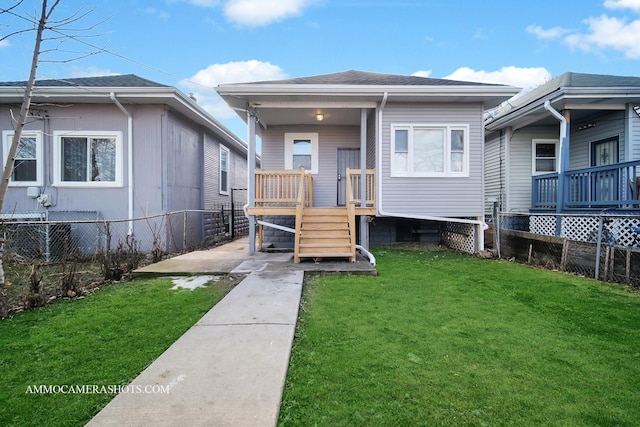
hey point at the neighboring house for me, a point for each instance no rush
(419, 140)
(118, 147)
(570, 146)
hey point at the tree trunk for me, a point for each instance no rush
(24, 111)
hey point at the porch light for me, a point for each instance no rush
(319, 117)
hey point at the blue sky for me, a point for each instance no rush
(197, 44)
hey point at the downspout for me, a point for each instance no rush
(129, 159)
(481, 224)
(561, 162)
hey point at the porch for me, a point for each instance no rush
(319, 232)
(615, 186)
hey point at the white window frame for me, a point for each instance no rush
(289, 139)
(224, 191)
(7, 138)
(57, 159)
(535, 142)
(447, 172)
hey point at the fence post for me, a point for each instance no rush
(184, 230)
(598, 243)
(107, 245)
(496, 227)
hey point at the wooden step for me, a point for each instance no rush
(325, 211)
(325, 255)
(331, 241)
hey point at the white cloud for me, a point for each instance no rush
(550, 33)
(525, 78)
(202, 83)
(259, 13)
(157, 13)
(4, 43)
(609, 33)
(623, 4)
(422, 73)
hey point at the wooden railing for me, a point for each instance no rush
(596, 188)
(354, 176)
(351, 215)
(275, 187)
(300, 204)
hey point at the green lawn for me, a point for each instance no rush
(105, 339)
(446, 339)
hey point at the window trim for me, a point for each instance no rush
(289, 138)
(222, 191)
(447, 128)
(7, 137)
(534, 142)
(57, 159)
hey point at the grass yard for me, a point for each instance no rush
(444, 339)
(106, 339)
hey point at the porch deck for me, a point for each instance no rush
(615, 186)
(327, 232)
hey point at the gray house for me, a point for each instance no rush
(354, 158)
(567, 149)
(116, 147)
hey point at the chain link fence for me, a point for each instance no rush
(61, 251)
(605, 246)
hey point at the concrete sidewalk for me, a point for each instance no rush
(230, 368)
(227, 370)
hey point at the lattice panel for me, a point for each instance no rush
(579, 227)
(460, 237)
(545, 225)
(616, 230)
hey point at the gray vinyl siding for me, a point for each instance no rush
(108, 202)
(494, 169)
(184, 165)
(330, 138)
(606, 126)
(440, 196)
(520, 165)
(237, 174)
(168, 162)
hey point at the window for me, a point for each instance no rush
(604, 152)
(28, 166)
(224, 170)
(301, 150)
(426, 150)
(545, 156)
(84, 159)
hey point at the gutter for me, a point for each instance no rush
(112, 95)
(379, 198)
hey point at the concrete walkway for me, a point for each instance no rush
(229, 369)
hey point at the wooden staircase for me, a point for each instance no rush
(325, 233)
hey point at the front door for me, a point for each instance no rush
(347, 158)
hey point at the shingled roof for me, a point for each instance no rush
(364, 78)
(123, 80)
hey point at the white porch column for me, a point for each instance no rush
(251, 172)
(363, 177)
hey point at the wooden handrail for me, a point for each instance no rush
(353, 176)
(279, 187)
(300, 202)
(351, 215)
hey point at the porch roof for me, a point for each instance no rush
(581, 93)
(341, 95)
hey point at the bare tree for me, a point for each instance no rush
(46, 30)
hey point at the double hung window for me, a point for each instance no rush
(28, 165)
(429, 150)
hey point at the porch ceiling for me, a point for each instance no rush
(307, 116)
